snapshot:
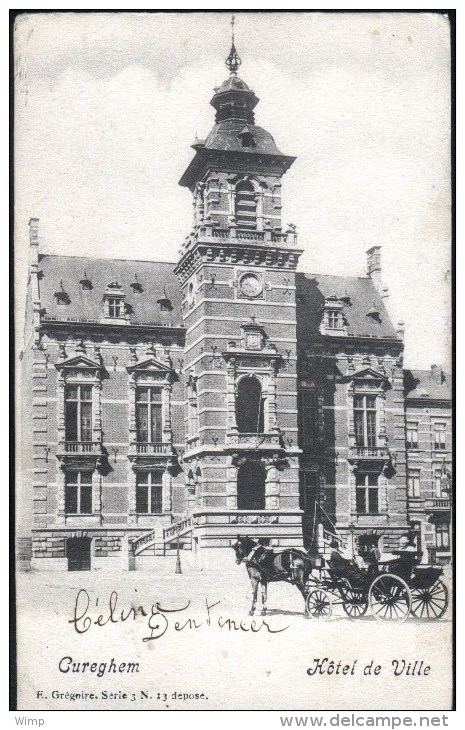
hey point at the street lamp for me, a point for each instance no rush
(352, 542)
(178, 569)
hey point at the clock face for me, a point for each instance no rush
(250, 285)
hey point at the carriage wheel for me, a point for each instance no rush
(389, 598)
(354, 603)
(430, 603)
(319, 604)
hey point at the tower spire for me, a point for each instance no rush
(233, 61)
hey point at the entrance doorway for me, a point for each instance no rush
(251, 486)
(78, 553)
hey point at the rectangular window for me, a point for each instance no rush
(308, 418)
(334, 320)
(78, 493)
(412, 435)
(365, 420)
(193, 424)
(310, 492)
(413, 482)
(78, 413)
(115, 307)
(149, 492)
(367, 492)
(439, 436)
(149, 415)
(442, 536)
(441, 482)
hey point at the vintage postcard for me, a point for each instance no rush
(234, 393)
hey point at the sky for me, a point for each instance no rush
(108, 104)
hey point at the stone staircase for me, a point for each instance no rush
(160, 541)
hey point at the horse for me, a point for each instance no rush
(265, 565)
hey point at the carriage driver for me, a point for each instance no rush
(344, 566)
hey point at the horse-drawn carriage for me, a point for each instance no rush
(392, 591)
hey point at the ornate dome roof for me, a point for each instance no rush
(234, 100)
(234, 83)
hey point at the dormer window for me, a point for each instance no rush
(86, 284)
(136, 286)
(114, 302)
(246, 138)
(332, 320)
(165, 303)
(61, 296)
(374, 313)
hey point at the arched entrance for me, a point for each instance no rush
(78, 553)
(249, 406)
(251, 486)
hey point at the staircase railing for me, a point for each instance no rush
(177, 529)
(143, 541)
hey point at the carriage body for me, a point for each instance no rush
(392, 591)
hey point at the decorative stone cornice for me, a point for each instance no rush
(208, 248)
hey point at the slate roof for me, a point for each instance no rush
(360, 296)
(225, 136)
(157, 277)
(154, 277)
(420, 384)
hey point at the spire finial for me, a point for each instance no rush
(233, 61)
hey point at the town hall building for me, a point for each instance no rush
(171, 406)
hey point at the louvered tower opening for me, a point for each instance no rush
(246, 206)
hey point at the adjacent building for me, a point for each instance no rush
(428, 408)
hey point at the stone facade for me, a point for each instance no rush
(183, 404)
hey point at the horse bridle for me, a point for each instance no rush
(248, 558)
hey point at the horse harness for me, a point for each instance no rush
(257, 558)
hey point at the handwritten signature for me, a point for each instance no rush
(159, 620)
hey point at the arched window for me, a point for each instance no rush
(249, 406)
(251, 486)
(246, 206)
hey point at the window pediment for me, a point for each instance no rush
(150, 365)
(367, 375)
(79, 363)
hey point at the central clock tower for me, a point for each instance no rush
(237, 273)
